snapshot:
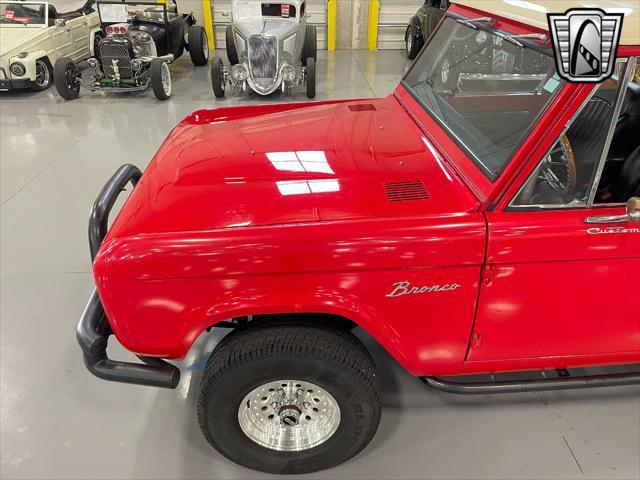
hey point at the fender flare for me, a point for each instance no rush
(361, 315)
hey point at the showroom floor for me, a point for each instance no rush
(57, 421)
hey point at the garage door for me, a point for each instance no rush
(393, 19)
(316, 8)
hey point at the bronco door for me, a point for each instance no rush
(561, 279)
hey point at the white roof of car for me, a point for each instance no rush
(534, 12)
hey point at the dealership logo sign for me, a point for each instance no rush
(585, 41)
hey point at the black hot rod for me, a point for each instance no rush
(139, 40)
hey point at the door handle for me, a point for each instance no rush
(607, 219)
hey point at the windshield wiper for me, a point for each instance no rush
(470, 22)
(515, 39)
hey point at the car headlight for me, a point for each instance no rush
(288, 73)
(239, 72)
(18, 69)
(93, 63)
(136, 64)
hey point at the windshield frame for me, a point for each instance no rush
(159, 4)
(495, 27)
(37, 25)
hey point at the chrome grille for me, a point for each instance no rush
(110, 51)
(263, 56)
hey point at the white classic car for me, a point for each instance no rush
(33, 35)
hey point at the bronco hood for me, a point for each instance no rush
(283, 164)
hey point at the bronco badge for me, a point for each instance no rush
(405, 288)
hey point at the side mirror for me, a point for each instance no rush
(633, 209)
(60, 22)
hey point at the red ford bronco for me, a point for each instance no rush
(483, 218)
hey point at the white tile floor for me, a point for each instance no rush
(57, 421)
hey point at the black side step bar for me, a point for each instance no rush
(93, 330)
(534, 385)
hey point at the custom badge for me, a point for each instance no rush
(585, 41)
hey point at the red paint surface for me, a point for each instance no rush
(282, 209)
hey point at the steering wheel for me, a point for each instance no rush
(558, 169)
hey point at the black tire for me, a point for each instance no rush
(232, 51)
(160, 79)
(311, 77)
(412, 41)
(217, 77)
(44, 75)
(66, 76)
(333, 360)
(198, 45)
(310, 46)
(96, 45)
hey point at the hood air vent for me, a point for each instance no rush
(361, 107)
(406, 191)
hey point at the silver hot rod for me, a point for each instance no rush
(270, 46)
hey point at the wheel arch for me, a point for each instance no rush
(30, 62)
(346, 316)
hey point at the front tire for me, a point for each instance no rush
(44, 75)
(310, 46)
(289, 398)
(232, 51)
(96, 45)
(160, 79)
(198, 45)
(66, 76)
(311, 77)
(413, 42)
(217, 77)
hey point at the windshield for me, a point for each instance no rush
(112, 12)
(24, 13)
(247, 10)
(485, 91)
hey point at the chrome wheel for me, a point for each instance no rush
(289, 415)
(409, 41)
(205, 48)
(166, 79)
(43, 75)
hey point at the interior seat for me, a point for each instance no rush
(627, 184)
(625, 137)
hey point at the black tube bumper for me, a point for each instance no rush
(93, 330)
